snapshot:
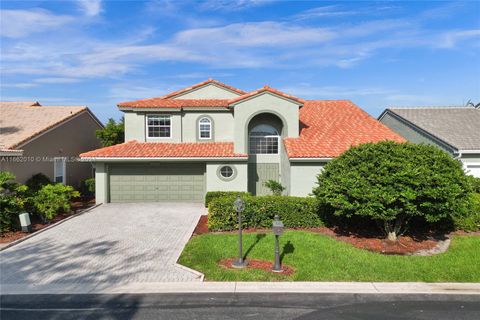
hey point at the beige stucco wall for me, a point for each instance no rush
(101, 183)
(68, 140)
(264, 103)
(239, 183)
(303, 177)
(222, 125)
(209, 91)
(134, 126)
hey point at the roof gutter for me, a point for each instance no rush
(160, 159)
(310, 159)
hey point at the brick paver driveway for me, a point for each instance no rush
(113, 243)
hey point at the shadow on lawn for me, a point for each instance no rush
(258, 238)
(288, 248)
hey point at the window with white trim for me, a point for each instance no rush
(205, 128)
(263, 139)
(159, 126)
(59, 168)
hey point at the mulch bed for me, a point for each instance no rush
(37, 224)
(257, 264)
(406, 245)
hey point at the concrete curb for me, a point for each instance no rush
(185, 240)
(244, 287)
(11, 244)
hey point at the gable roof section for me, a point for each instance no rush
(19, 123)
(168, 102)
(458, 127)
(330, 127)
(135, 149)
(264, 90)
(19, 103)
(201, 84)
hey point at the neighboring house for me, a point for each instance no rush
(212, 137)
(455, 130)
(46, 139)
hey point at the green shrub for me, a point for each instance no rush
(392, 183)
(37, 181)
(90, 184)
(52, 199)
(220, 194)
(275, 187)
(475, 183)
(259, 212)
(12, 199)
(469, 221)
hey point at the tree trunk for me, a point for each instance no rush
(392, 236)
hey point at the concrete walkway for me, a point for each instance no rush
(113, 244)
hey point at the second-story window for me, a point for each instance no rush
(159, 126)
(205, 128)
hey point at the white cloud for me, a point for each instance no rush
(450, 39)
(232, 5)
(57, 80)
(21, 23)
(324, 11)
(90, 8)
(308, 91)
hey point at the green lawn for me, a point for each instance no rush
(317, 257)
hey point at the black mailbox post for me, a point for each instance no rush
(277, 228)
(239, 206)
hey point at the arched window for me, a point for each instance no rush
(205, 128)
(263, 139)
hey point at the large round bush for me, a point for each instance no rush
(392, 183)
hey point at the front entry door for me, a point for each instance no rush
(258, 173)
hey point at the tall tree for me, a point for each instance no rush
(113, 133)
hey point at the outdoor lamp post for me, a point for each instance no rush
(239, 206)
(277, 228)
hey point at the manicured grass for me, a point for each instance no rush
(317, 257)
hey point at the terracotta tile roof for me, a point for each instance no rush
(330, 127)
(218, 83)
(266, 89)
(135, 149)
(174, 103)
(22, 122)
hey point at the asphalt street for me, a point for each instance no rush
(263, 306)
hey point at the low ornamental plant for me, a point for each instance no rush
(52, 199)
(36, 182)
(12, 200)
(275, 187)
(391, 183)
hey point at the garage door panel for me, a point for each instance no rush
(175, 182)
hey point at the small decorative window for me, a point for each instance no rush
(159, 126)
(227, 172)
(205, 128)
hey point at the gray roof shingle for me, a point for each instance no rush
(457, 126)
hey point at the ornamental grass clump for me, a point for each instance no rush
(392, 183)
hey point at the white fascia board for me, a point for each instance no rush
(310, 159)
(468, 151)
(105, 159)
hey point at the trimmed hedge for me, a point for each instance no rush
(471, 220)
(220, 194)
(294, 212)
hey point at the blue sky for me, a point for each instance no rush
(377, 54)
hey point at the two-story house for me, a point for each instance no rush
(213, 137)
